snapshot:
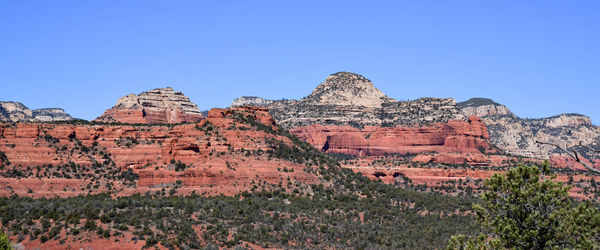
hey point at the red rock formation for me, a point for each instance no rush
(568, 162)
(454, 136)
(155, 106)
(392, 170)
(210, 149)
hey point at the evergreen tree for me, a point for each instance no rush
(4, 242)
(526, 209)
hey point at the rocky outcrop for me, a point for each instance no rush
(350, 99)
(347, 114)
(518, 136)
(51, 115)
(454, 136)
(222, 154)
(347, 89)
(14, 111)
(17, 112)
(563, 120)
(250, 101)
(483, 107)
(157, 106)
(422, 111)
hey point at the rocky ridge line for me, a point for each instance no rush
(250, 101)
(346, 98)
(518, 136)
(17, 112)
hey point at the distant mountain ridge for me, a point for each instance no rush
(250, 101)
(349, 99)
(518, 136)
(17, 112)
(346, 98)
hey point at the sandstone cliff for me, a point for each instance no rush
(454, 136)
(155, 106)
(347, 99)
(17, 112)
(517, 135)
(225, 153)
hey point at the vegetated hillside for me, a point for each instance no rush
(382, 217)
(230, 151)
(426, 144)
(329, 207)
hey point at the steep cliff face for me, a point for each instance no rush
(454, 136)
(155, 106)
(223, 154)
(17, 112)
(349, 100)
(518, 136)
(347, 114)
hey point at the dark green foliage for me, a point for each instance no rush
(525, 209)
(3, 158)
(342, 157)
(263, 218)
(4, 242)
(179, 166)
(318, 216)
(476, 102)
(51, 139)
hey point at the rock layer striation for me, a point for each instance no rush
(454, 136)
(162, 106)
(222, 154)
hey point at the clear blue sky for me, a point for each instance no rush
(539, 58)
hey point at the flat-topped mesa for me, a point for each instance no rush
(563, 120)
(161, 105)
(17, 112)
(347, 89)
(483, 107)
(51, 114)
(250, 101)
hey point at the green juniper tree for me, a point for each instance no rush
(525, 209)
(4, 242)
